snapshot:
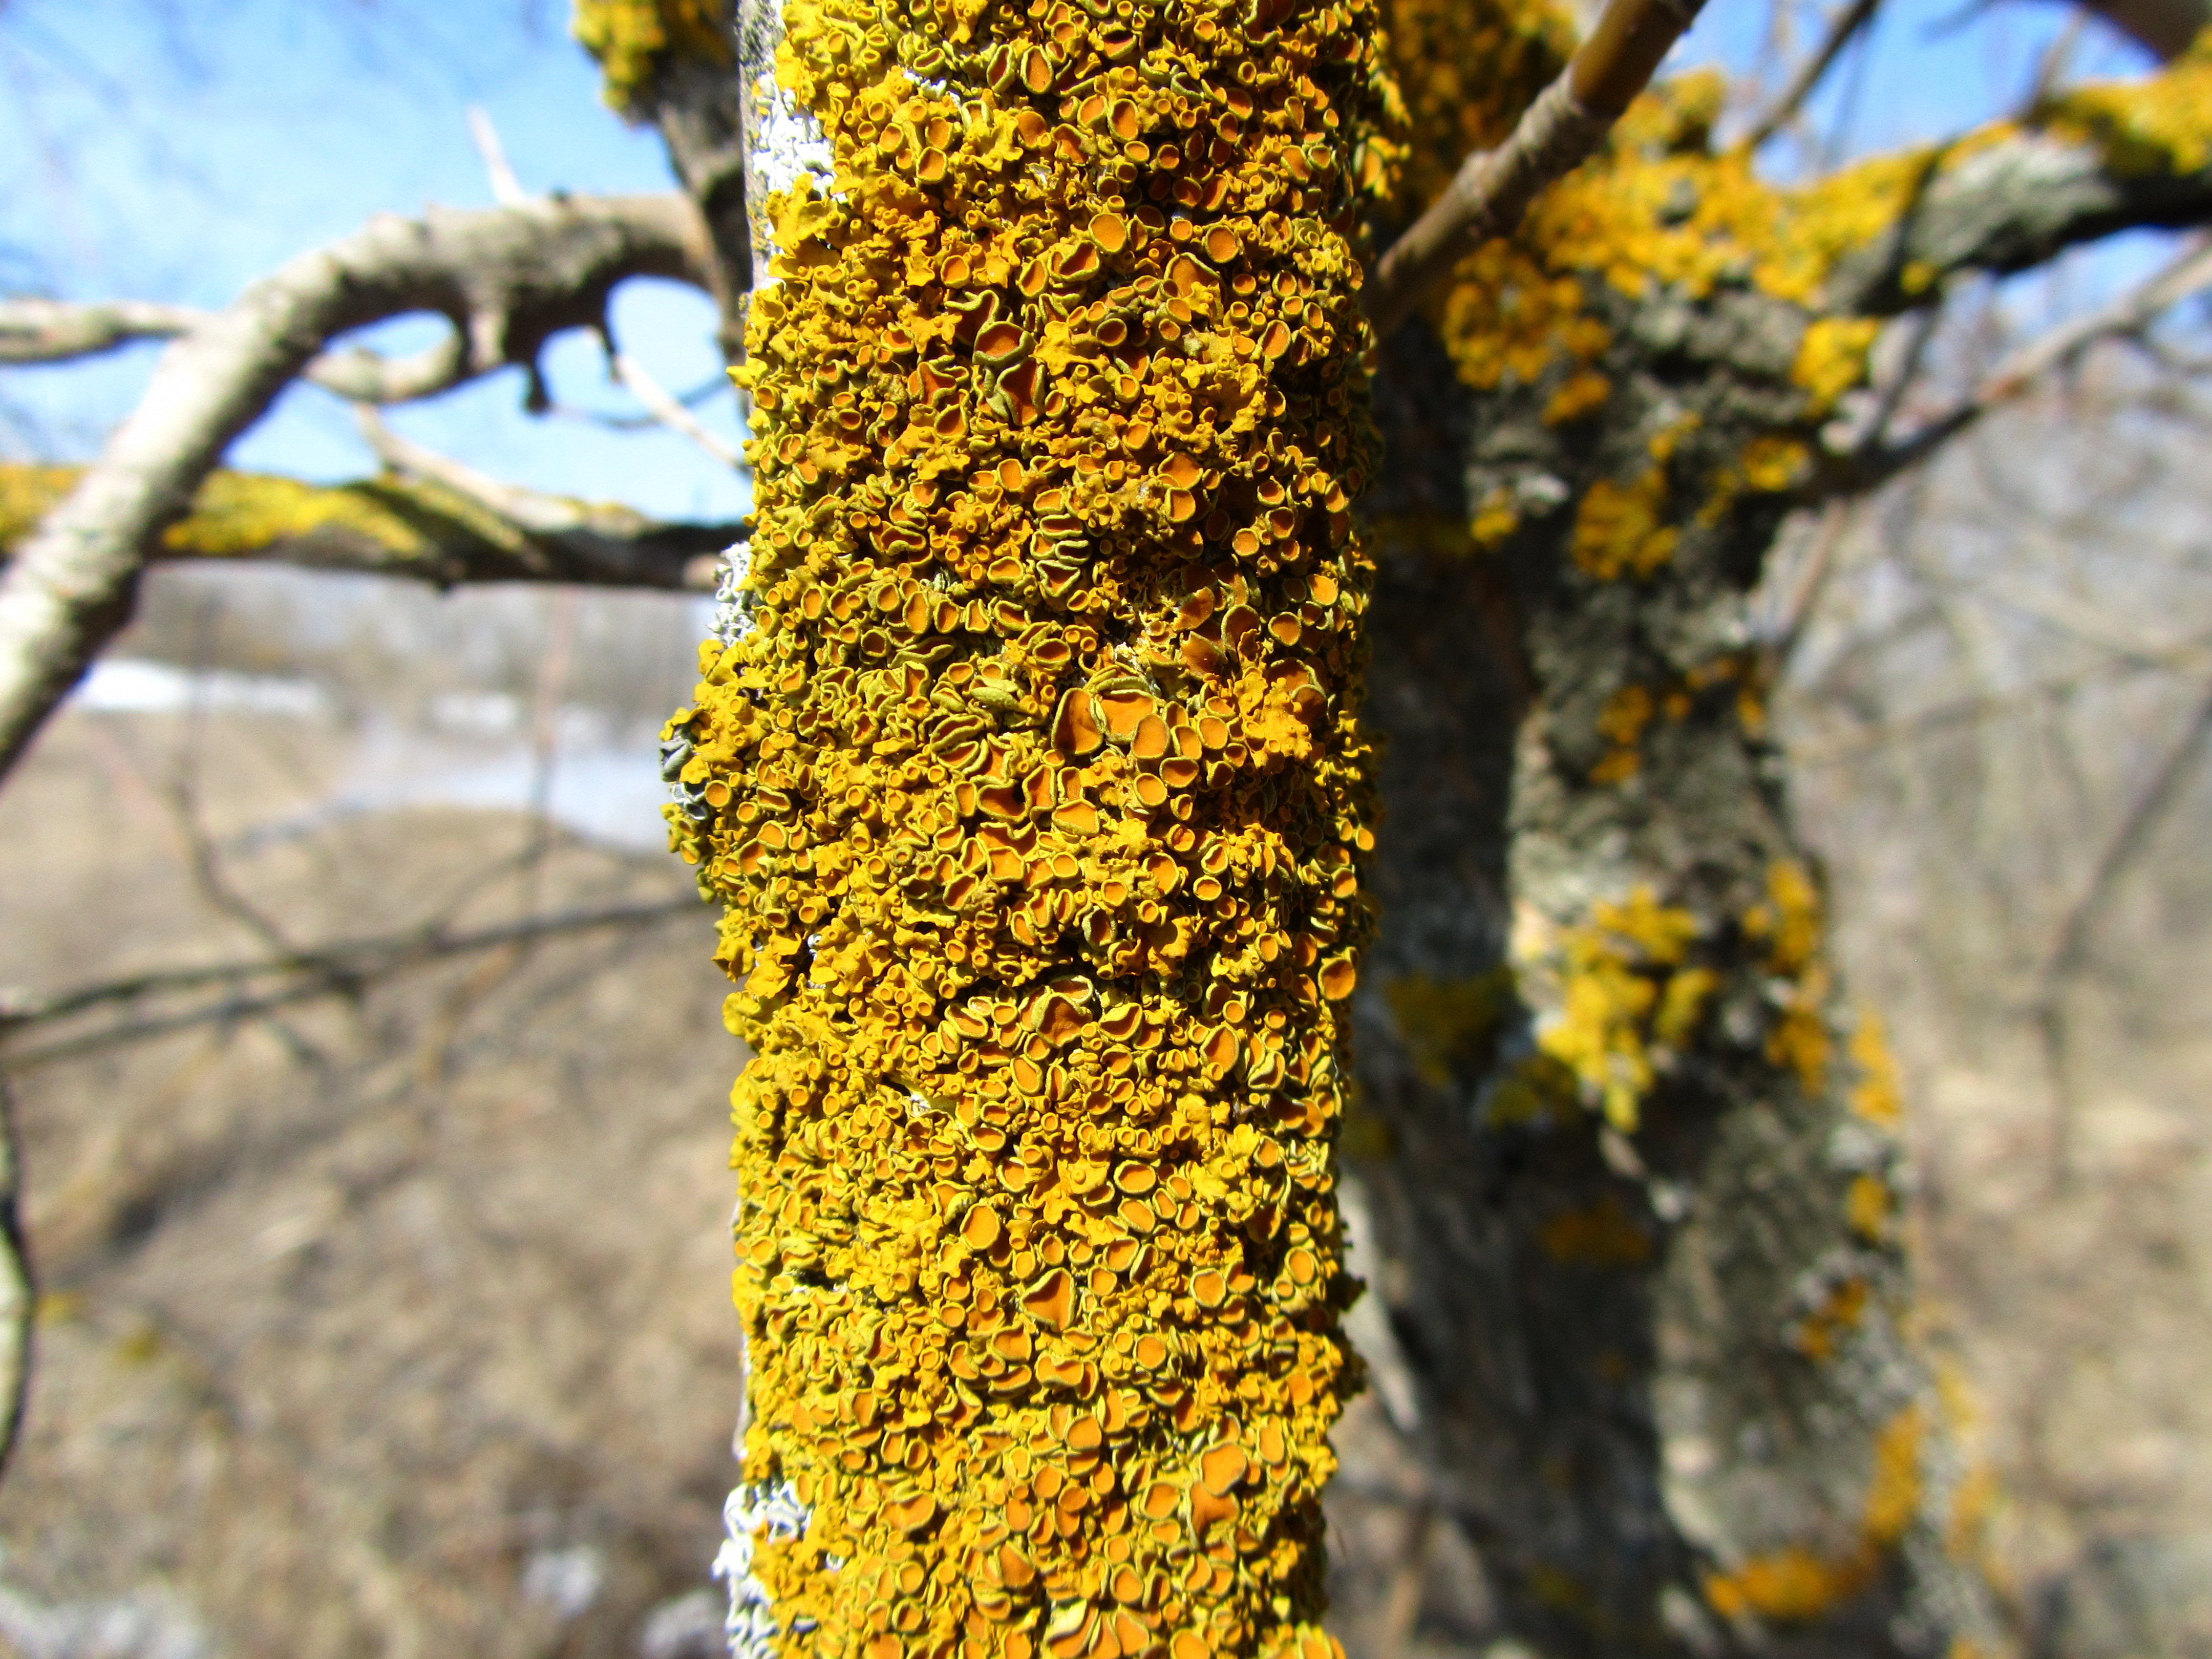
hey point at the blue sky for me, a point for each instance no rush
(160, 149)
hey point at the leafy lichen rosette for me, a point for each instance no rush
(1035, 790)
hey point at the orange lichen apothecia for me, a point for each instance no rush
(1031, 780)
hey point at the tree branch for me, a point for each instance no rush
(336, 969)
(57, 331)
(2165, 26)
(506, 188)
(1855, 17)
(2009, 205)
(669, 411)
(408, 524)
(508, 279)
(1557, 132)
(18, 1291)
(2128, 316)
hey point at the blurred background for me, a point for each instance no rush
(381, 1238)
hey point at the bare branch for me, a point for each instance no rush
(506, 188)
(55, 330)
(362, 376)
(2127, 317)
(1557, 133)
(509, 278)
(1855, 17)
(671, 414)
(406, 524)
(251, 988)
(19, 1291)
(691, 398)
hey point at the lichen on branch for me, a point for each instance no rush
(633, 40)
(1034, 787)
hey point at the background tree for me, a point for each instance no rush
(1642, 1152)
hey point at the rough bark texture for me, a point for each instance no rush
(1632, 1154)
(1665, 1378)
(509, 279)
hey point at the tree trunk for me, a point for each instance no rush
(1026, 767)
(1633, 1159)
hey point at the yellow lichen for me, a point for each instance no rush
(1615, 999)
(238, 515)
(1817, 1335)
(1035, 799)
(1622, 528)
(1789, 923)
(1866, 1208)
(2163, 124)
(28, 494)
(633, 39)
(1877, 1097)
(1622, 722)
(1832, 358)
(1495, 517)
(1796, 1583)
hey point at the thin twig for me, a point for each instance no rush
(18, 1290)
(2127, 317)
(669, 411)
(1810, 72)
(506, 188)
(691, 398)
(338, 969)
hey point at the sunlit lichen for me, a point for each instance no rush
(1034, 796)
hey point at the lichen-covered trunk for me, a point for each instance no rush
(1028, 769)
(1633, 1156)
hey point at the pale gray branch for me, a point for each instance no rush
(508, 279)
(506, 188)
(55, 330)
(667, 409)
